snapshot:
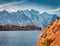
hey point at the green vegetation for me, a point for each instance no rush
(46, 42)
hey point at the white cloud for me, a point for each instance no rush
(53, 10)
(12, 3)
(10, 7)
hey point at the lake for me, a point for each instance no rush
(19, 38)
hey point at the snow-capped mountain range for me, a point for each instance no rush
(25, 17)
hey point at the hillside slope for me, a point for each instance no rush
(50, 35)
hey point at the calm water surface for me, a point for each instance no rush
(19, 38)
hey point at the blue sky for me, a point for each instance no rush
(41, 5)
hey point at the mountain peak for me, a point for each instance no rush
(45, 13)
(32, 10)
(51, 35)
(25, 17)
(4, 10)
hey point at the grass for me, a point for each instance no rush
(46, 42)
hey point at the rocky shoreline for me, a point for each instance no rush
(6, 27)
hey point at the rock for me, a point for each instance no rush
(50, 35)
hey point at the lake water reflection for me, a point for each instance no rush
(19, 38)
